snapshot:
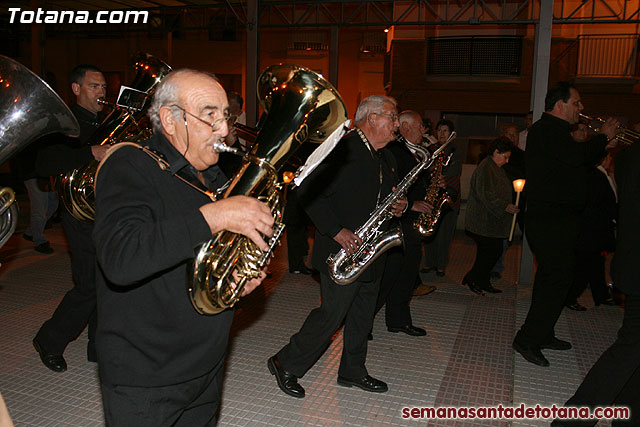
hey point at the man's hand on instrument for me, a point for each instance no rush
(422, 207)
(240, 214)
(399, 207)
(252, 284)
(99, 151)
(610, 127)
(348, 240)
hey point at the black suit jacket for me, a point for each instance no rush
(627, 257)
(342, 192)
(69, 153)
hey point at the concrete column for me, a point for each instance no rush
(540, 83)
(333, 56)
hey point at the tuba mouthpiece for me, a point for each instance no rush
(223, 148)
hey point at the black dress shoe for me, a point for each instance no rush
(367, 383)
(608, 301)
(531, 354)
(557, 344)
(414, 331)
(576, 307)
(489, 288)
(474, 288)
(44, 248)
(286, 381)
(55, 362)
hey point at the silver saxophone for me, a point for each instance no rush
(343, 268)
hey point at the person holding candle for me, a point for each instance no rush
(489, 213)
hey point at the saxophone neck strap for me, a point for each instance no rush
(162, 164)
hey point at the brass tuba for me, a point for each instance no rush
(300, 106)
(31, 109)
(426, 224)
(75, 188)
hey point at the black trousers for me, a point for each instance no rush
(488, 252)
(354, 304)
(552, 235)
(399, 278)
(589, 272)
(296, 220)
(615, 377)
(191, 403)
(78, 306)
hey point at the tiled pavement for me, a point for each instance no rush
(465, 360)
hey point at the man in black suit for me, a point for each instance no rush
(615, 377)
(556, 168)
(403, 263)
(79, 304)
(161, 362)
(339, 196)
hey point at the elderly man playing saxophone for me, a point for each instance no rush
(161, 363)
(339, 196)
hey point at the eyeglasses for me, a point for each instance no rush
(214, 126)
(393, 117)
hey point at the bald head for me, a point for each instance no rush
(411, 126)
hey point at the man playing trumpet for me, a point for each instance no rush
(556, 169)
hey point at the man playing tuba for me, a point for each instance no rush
(79, 304)
(161, 363)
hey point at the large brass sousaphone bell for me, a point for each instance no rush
(30, 110)
(301, 106)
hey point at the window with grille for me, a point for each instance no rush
(475, 56)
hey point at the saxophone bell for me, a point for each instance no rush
(426, 224)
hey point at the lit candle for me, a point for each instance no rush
(518, 185)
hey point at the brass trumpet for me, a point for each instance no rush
(624, 136)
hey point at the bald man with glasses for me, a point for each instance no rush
(161, 363)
